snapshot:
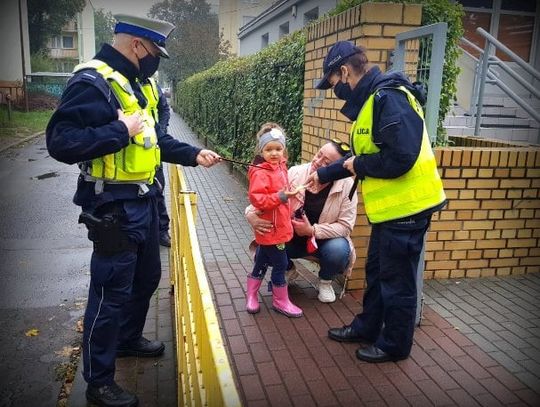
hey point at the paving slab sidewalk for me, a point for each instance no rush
(282, 361)
(478, 344)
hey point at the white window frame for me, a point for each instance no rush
(64, 36)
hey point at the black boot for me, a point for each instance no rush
(165, 239)
(141, 348)
(111, 395)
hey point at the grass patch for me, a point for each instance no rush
(22, 124)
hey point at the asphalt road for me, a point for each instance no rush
(44, 273)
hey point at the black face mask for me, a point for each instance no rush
(352, 107)
(342, 90)
(148, 66)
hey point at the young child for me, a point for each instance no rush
(268, 192)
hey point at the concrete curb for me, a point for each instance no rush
(23, 140)
(77, 395)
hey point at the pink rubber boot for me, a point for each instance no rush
(282, 304)
(252, 299)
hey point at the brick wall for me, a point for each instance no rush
(491, 225)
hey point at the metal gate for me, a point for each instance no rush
(419, 54)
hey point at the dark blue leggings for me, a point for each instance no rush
(274, 256)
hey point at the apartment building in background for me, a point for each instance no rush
(280, 19)
(76, 42)
(234, 14)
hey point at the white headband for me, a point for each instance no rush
(272, 135)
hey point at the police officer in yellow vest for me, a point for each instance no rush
(106, 122)
(401, 189)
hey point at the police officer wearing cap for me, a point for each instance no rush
(401, 189)
(106, 122)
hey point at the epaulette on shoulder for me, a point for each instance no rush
(90, 76)
(379, 93)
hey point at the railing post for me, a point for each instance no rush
(192, 200)
(438, 46)
(482, 85)
(398, 63)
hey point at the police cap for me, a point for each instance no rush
(156, 31)
(340, 51)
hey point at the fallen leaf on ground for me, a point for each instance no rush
(66, 351)
(79, 327)
(32, 332)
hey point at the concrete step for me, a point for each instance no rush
(509, 102)
(527, 135)
(492, 121)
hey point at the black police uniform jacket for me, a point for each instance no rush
(397, 131)
(85, 126)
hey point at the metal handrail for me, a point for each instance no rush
(205, 377)
(486, 61)
(500, 46)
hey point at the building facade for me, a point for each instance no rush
(76, 42)
(282, 18)
(14, 48)
(514, 23)
(234, 14)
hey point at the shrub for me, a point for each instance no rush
(41, 62)
(228, 102)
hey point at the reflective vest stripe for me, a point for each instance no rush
(137, 162)
(417, 190)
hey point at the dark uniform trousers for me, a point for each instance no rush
(121, 286)
(389, 304)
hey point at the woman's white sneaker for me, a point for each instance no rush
(326, 291)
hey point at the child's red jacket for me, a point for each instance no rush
(264, 186)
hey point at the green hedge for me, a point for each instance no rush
(230, 101)
(227, 103)
(434, 11)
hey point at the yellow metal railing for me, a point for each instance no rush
(204, 373)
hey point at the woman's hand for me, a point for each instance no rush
(259, 224)
(302, 227)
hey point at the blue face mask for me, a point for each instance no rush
(342, 90)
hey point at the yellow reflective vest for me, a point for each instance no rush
(413, 192)
(138, 161)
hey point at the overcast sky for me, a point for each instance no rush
(134, 7)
